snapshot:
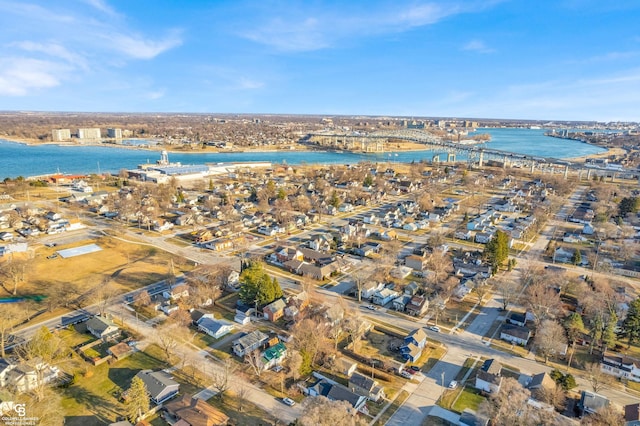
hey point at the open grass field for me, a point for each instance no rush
(124, 266)
(468, 398)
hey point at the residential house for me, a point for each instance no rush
(417, 306)
(540, 383)
(413, 345)
(346, 366)
(632, 414)
(483, 237)
(249, 342)
(384, 296)
(336, 392)
(243, 313)
(515, 334)
(466, 236)
(365, 386)
(189, 411)
(621, 366)
(461, 291)
(25, 377)
(196, 314)
(400, 302)
(471, 418)
(103, 328)
(591, 403)
(517, 318)
(274, 310)
(176, 292)
(160, 385)
(369, 288)
(412, 288)
(215, 328)
(120, 351)
(415, 262)
(274, 355)
(488, 378)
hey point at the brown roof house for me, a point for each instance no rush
(189, 411)
(120, 351)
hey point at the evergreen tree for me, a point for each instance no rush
(257, 287)
(334, 200)
(576, 259)
(277, 290)
(368, 181)
(631, 324)
(628, 205)
(609, 332)
(137, 402)
(497, 250)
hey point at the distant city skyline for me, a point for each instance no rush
(518, 59)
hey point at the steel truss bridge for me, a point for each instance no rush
(444, 151)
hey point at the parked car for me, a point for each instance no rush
(435, 328)
(50, 244)
(290, 402)
(371, 307)
(410, 371)
(405, 374)
(414, 368)
(453, 384)
(277, 368)
(52, 256)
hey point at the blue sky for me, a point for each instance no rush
(543, 59)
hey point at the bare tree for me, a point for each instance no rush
(543, 301)
(10, 316)
(356, 327)
(554, 395)
(142, 299)
(294, 362)
(606, 416)
(13, 270)
(481, 289)
(243, 393)
(550, 339)
(509, 290)
(221, 377)
(166, 339)
(321, 411)
(360, 278)
(598, 379)
(254, 359)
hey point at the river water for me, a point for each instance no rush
(29, 160)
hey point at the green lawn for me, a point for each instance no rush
(469, 398)
(93, 399)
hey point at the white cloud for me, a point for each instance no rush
(20, 76)
(294, 30)
(102, 6)
(138, 47)
(156, 94)
(53, 50)
(477, 46)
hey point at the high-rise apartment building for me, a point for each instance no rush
(114, 133)
(61, 135)
(89, 133)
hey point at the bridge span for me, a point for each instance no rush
(444, 151)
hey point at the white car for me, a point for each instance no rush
(290, 402)
(371, 307)
(435, 328)
(453, 384)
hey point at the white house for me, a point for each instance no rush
(621, 366)
(384, 296)
(489, 376)
(215, 328)
(515, 334)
